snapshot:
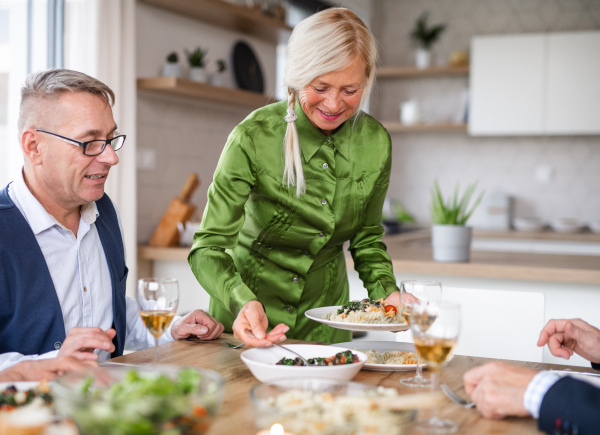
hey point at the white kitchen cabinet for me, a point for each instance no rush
(541, 84)
(573, 83)
(506, 85)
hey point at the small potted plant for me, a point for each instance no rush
(450, 237)
(197, 61)
(218, 78)
(172, 68)
(424, 37)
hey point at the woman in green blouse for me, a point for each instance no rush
(270, 243)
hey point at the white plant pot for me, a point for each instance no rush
(198, 74)
(218, 79)
(171, 70)
(422, 58)
(451, 243)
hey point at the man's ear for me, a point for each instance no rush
(30, 145)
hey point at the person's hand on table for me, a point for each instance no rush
(498, 388)
(251, 324)
(197, 323)
(43, 369)
(567, 336)
(82, 341)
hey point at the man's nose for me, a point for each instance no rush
(108, 156)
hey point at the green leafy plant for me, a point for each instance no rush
(221, 66)
(197, 57)
(425, 36)
(455, 211)
(172, 57)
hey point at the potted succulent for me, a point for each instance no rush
(424, 37)
(450, 237)
(172, 68)
(218, 78)
(197, 61)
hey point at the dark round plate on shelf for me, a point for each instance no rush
(248, 74)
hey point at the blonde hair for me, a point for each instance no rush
(50, 85)
(327, 41)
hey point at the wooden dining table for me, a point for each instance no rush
(235, 416)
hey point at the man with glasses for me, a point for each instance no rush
(62, 259)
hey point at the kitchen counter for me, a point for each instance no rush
(411, 253)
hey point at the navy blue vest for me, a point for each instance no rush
(31, 320)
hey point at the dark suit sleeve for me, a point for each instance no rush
(596, 366)
(573, 401)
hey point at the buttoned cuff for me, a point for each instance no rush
(536, 390)
(383, 290)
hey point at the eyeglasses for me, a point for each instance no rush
(92, 147)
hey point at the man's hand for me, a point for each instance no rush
(197, 323)
(565, 337)
(251, 324)
(43, 369)
(82, 341)
(498, 389)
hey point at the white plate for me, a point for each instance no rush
(317, 314)
(382, 346)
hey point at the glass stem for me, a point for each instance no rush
(156, 347)
(435, 381)
(419, 374)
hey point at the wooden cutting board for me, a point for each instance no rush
(179, 210)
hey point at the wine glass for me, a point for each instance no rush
(427, 292)
(157, 300)
(435, 343)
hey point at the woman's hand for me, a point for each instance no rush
(251, 324)
(394, 299)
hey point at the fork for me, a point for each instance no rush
(455, 397)
(232, 346)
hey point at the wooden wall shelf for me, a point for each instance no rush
(409, 71)
(397, 127)
(229, 16)
(190, 89)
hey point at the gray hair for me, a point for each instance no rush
(51, 84)
(327, 41)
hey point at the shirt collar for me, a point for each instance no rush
(36, 215)
(312, 139)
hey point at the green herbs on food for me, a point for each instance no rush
(346, 357)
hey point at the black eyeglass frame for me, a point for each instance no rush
(85, 144)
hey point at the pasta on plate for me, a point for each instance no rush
(366, 311)
(390, 357)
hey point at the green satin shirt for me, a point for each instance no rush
(258, 241)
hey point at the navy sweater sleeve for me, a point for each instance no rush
(573, 401)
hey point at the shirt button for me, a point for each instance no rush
(57, 345)
(287, 308)
(323, 201)
(295, 279)
(328, 138)
(306, 253)
(84, 289)
(321, 234)
(325, 165)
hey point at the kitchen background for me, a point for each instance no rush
(179, 136)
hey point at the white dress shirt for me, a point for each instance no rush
(80, 274)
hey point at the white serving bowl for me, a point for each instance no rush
(530, 224)
(567, 225)
(262, 363)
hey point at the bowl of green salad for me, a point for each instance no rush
(122, 400)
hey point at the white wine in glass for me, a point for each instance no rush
(426, 292)
(435, 344)
(157, 300)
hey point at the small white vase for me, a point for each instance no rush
(171, 70)
(422, 58)
(451, 243)
(217, 79)
(198, 74)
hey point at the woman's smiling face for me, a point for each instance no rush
(332, 98)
